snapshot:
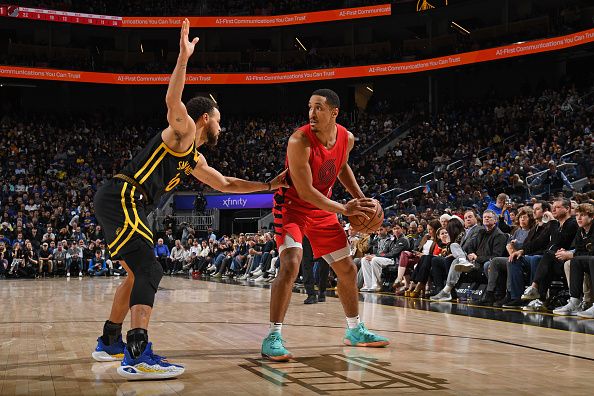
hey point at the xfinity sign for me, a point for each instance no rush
(235, 202)
(247, 201)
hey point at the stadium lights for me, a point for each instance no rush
(454, 24)
(301, 44)
(141, 49)
(369, 89)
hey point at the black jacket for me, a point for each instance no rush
(395, 247)
(584, 242)
(490, 244)
(562, 237)
(538, 240)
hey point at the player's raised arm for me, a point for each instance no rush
(346, 175)
(177, 115)
(216, 180)
(298, 154)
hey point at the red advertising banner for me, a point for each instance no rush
(196, 22)
(508, 51)
(261, 21)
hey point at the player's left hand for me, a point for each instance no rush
(279, 181)
(360, 207)
(186, 47)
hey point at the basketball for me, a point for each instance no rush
(371, 225)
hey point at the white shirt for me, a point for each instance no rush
(427, 247)
(177, 253)
(205, 252)
(195, 250)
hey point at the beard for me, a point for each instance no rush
(211, 137)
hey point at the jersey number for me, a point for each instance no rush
(173, 183)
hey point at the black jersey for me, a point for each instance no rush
(119, 205)
(158, 169)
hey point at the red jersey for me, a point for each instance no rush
(325, 165)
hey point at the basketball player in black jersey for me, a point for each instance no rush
(121, 206)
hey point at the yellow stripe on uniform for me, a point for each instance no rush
(137, 218)
(133, 226)
(175, 153)
(153, 167)
(162, 146)
(147, 163)
(154, 160)
(142, 224)
(126, 222)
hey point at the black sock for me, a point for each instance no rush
(111, 332)
(137, 340)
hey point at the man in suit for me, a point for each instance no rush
(472, 229)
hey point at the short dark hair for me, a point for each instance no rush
(471, 211)
(199, 105)
(331, 97)
(545, 205)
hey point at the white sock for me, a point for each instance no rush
(447, 289)
(575, 301)
(275, 327)
(353, 322)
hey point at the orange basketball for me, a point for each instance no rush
(367, 226)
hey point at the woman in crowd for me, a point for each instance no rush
(430, 247)
(18, 258)
(440, 265)
(408, 259)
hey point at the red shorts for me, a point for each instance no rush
(322, 228)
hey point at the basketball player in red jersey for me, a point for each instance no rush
(317, 155)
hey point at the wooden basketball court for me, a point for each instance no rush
(48, 330)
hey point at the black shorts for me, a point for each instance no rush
(121, 212)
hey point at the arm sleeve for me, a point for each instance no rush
(566, 181)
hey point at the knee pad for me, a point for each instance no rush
(147, 274)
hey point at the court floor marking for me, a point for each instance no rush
(338, 327)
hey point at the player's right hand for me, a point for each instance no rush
(360, 207)
(186, 47)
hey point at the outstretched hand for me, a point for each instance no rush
(360, 207)
(186, 47)
(279, 181)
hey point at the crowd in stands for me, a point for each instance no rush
(48, 226)
(496, 147)
(516, 252)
